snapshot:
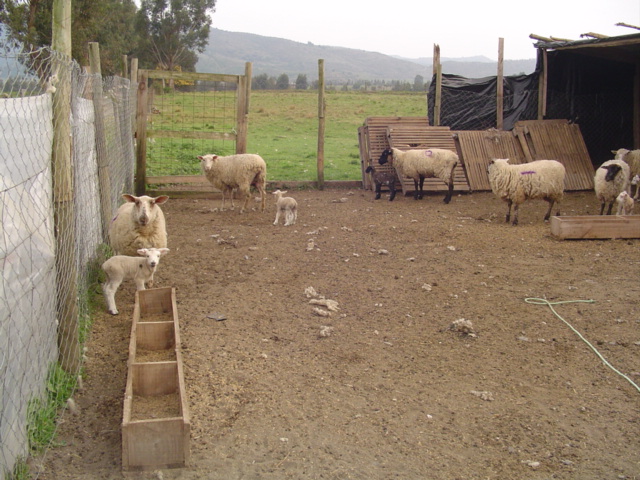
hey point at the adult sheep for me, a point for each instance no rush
(239, 172)
(631, 158)
(138, 223)
(421, 164)
(611, 178)
(516, 183)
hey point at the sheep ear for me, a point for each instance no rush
(163, 251)
(129, 198)
(200, 157)
(142, 251)
(161, 199)
(284, 191)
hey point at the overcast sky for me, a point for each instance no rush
(410, 28)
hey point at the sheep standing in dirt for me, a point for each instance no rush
(241, 172)
(139, 223)
(286, 206)
(421, 164)
(516, 183)
(631, 158)
(122, 267)
(611, 178)
(384, 177)
(625, 204)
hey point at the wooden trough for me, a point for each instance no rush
(156, 423)
(596, 226)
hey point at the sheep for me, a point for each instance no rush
(516, 183)
(611, 178)
(286, 205)
(632, 158)
(421, 164)
(382, 177)
(122, 267)
(240, 172)
(138, 223)
(625, 203)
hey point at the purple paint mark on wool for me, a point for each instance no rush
(428, 153)
(528, 172)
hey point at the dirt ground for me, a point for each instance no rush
(391, 385)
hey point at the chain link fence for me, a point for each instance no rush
(66, 156)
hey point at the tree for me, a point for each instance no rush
(107, 22)
(173, 32)
(301, 82)
(418, 84)
(283, 82)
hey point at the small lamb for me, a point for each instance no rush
(625, 203)
(138, 269)
(287, 206)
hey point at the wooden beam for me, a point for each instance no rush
(500, 86)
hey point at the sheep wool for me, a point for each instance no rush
(611, 178)
(421, 164)
(516, 183)
(625, 203)
(239, 172)
(138, 223)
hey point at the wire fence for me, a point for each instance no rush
(54, 209)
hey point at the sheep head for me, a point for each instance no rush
(612, 171)
(145, 208)
(152, 255)
(207, 161)
(384, 158)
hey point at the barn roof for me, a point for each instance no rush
(624, 48)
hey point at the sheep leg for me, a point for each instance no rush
(277, 216)
(509, 202)
(246, 193)
(421, 187)
(548, 214)
(602, 208)
(610, 208)
(515, 215)
(378, 188)
(109, 289)
(392, 188)
(447, 197)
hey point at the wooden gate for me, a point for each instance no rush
(182, 115)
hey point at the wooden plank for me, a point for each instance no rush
(155, 444)
(157, 378)
(155, 336)
(596, 226)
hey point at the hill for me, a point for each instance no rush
(227, 52)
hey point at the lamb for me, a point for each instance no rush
(240, 172)
(516, 183)
(122, 267)
(138, 223)
(421, 164)
(632, 158)
(382, 177)
(287, 206)
(625, 203)
(611, 178)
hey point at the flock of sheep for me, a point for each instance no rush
(138, 236)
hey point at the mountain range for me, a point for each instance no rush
(227, 52)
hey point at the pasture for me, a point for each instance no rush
(384, 387)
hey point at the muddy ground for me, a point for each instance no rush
(392, 384)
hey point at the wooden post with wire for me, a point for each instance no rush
(321, 124)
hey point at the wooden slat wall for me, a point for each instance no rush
(410, 137)
(480, 147)
(373, 141)
(562, 141)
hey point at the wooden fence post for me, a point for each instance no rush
(242, 113)
(500, 86)
(141, 135)
(64, 219)
(321, 124)
(104, 177)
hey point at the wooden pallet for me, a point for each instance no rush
(479, 147)
(156, 422)
(405, 138)
(596, 226)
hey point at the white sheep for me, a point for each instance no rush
(287, 206)
(421, 164)
(516, 183)
(239, 172)
(139, 269)
(611, 178)
(632, 158)
(625, 203)
(138, 223)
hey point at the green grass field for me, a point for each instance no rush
(283, 129)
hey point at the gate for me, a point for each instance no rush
(182, 115)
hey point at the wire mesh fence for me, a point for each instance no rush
(66, 156)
